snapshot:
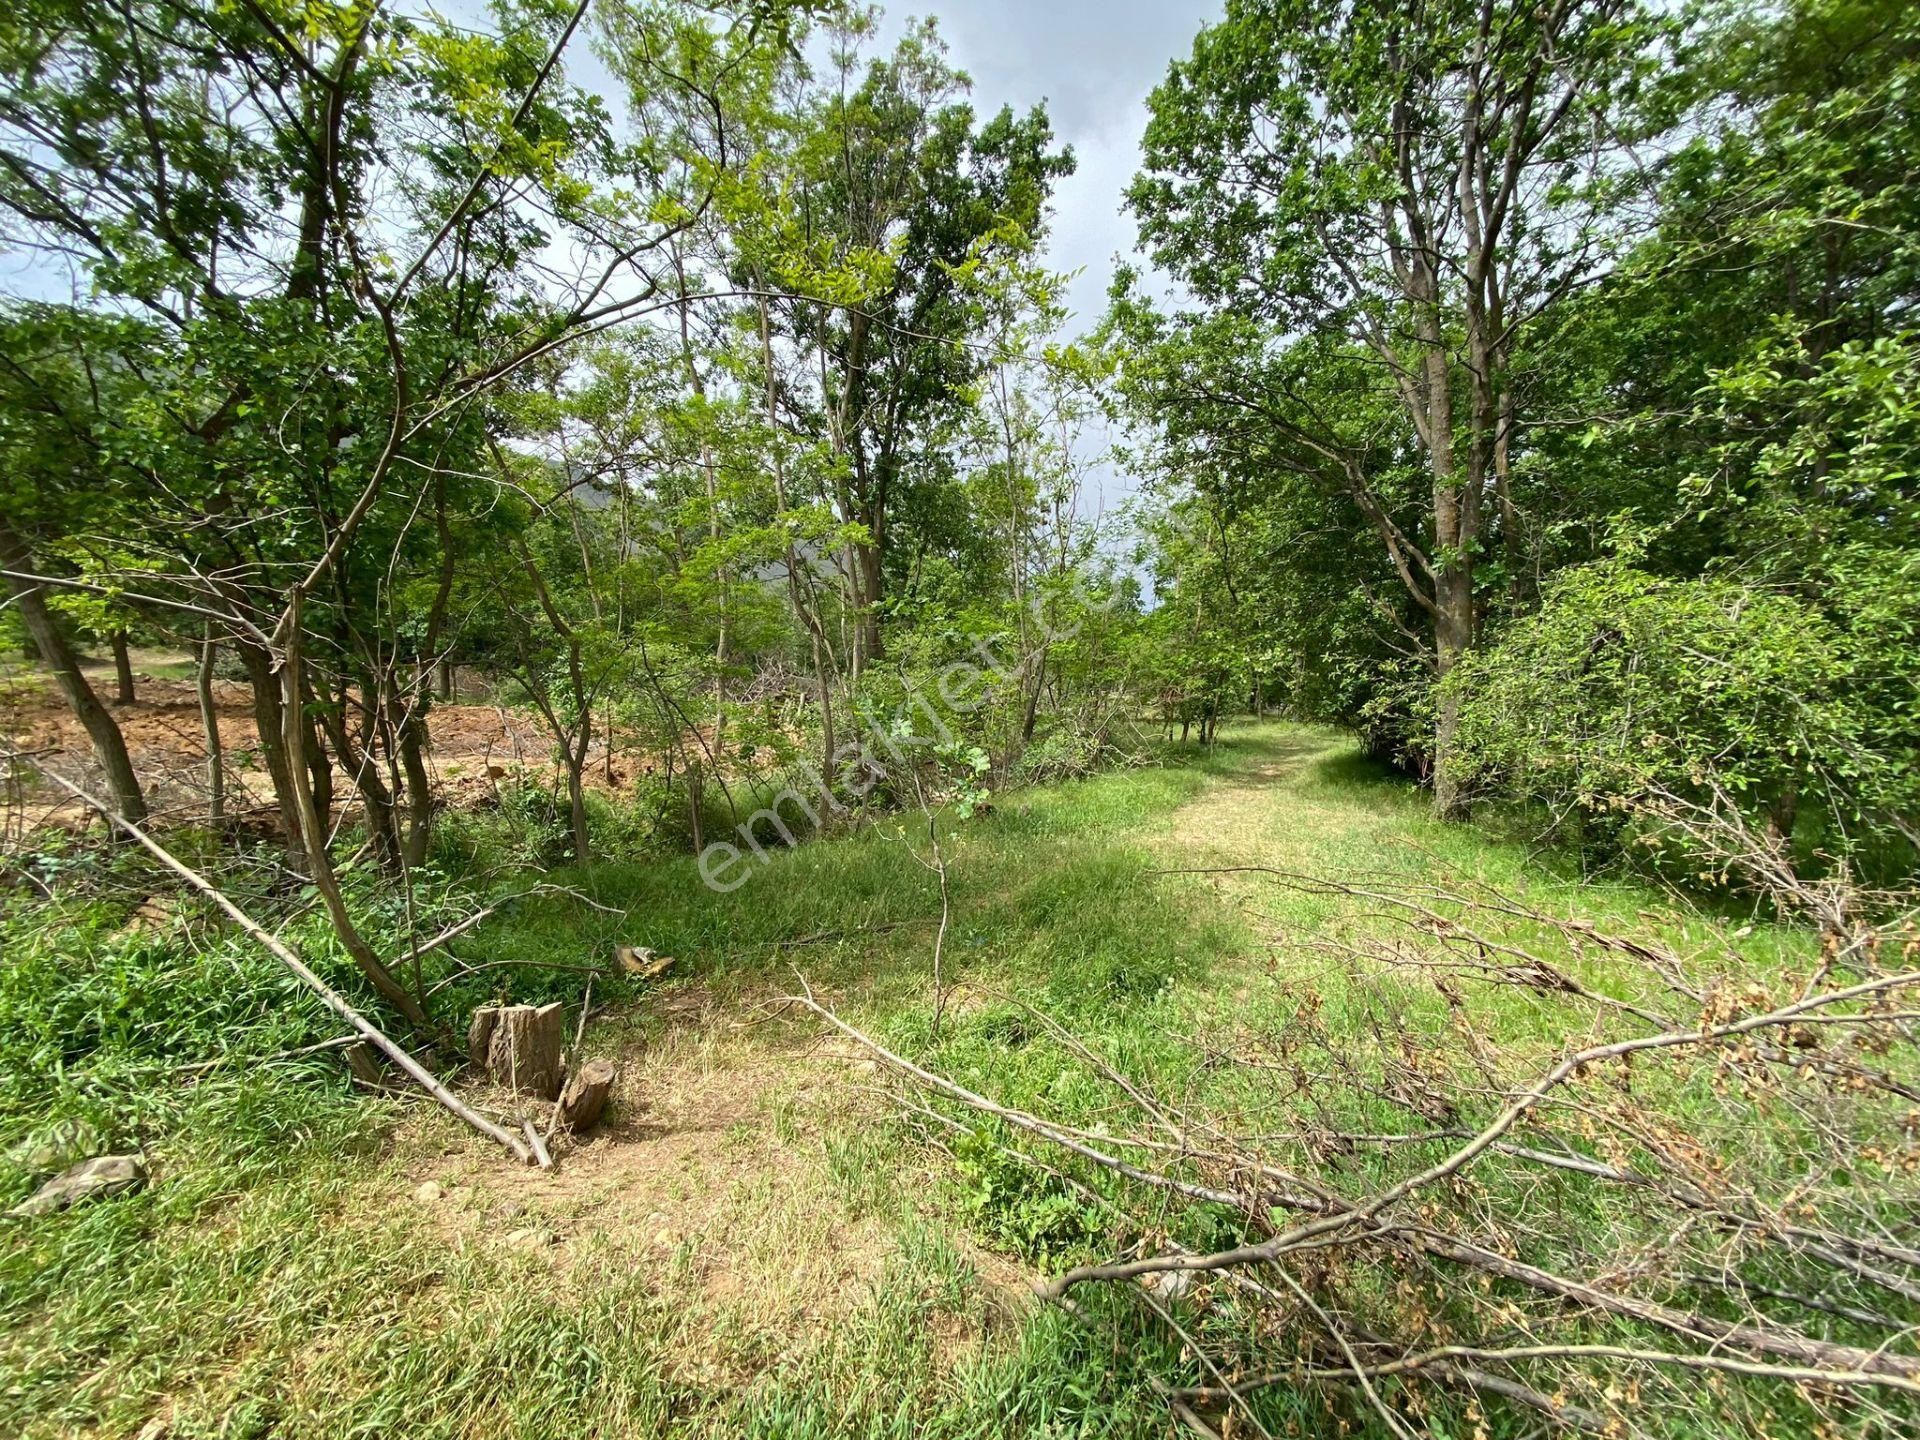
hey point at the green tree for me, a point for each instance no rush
(1410, 189)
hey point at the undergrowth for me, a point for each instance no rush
(269, 1282)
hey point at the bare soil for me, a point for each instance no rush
(722, 1170)
(474, 745)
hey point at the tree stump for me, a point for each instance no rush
(480, 1035)
(586, 1096)
(523, 1045)
(363, 1062)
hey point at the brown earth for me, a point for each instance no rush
(730, 1166)
(474, 745)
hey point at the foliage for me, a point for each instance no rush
(1625, 687)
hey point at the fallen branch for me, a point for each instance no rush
(332, 998)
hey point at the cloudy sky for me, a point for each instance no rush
(1093, 62)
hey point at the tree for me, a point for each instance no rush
(893, 180)
(1421, 184)
(59, 477)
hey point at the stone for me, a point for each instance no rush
(428, 1193)
(95, 1179)
(63, 1143)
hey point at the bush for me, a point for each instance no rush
(1625, 687)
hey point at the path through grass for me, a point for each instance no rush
(757, 1244)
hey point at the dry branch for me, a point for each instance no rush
(1709, 1240)
(332, 998)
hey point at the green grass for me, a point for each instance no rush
(275, 1280)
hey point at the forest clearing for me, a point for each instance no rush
(753, 718)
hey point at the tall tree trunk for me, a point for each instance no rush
(577, 804)
(1033, 701)
(267, 725)
(413, 762)
(210, 726)
(1453, 511)
(376, 799)
(109, 745)
(870, 578)
(122, 669)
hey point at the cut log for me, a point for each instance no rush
(480, 1035)
(523, 1053)
(586, 1096)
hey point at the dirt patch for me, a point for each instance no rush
(473, 746)
(734, 1167)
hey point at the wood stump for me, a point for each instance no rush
(363, 1062)
(518, 1046)
(585, 1096)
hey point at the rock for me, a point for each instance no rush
(1169, 1284)
(64, 1143)
(153, 915)
(428, 1193)
(641, 962)
(89, 1180)
(528, 1239)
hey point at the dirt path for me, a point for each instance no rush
(744, 1167)
(1285, 798)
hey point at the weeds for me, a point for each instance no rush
(277, 1278)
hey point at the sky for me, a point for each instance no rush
(1093, 62)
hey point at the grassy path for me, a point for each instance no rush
(756, 1245)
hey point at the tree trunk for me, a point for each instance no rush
(871, 575)
(413, 761)
(801, 605)
(1033, 702)
(122, 669)
(109, 745)
(269, 728)
(1453, 633)
(577, 805)
(295, 734)
(1454, 510)
(210, 726)
(375, 798)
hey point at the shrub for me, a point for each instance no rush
(1625, 687)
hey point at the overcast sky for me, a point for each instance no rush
(1093, 62)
